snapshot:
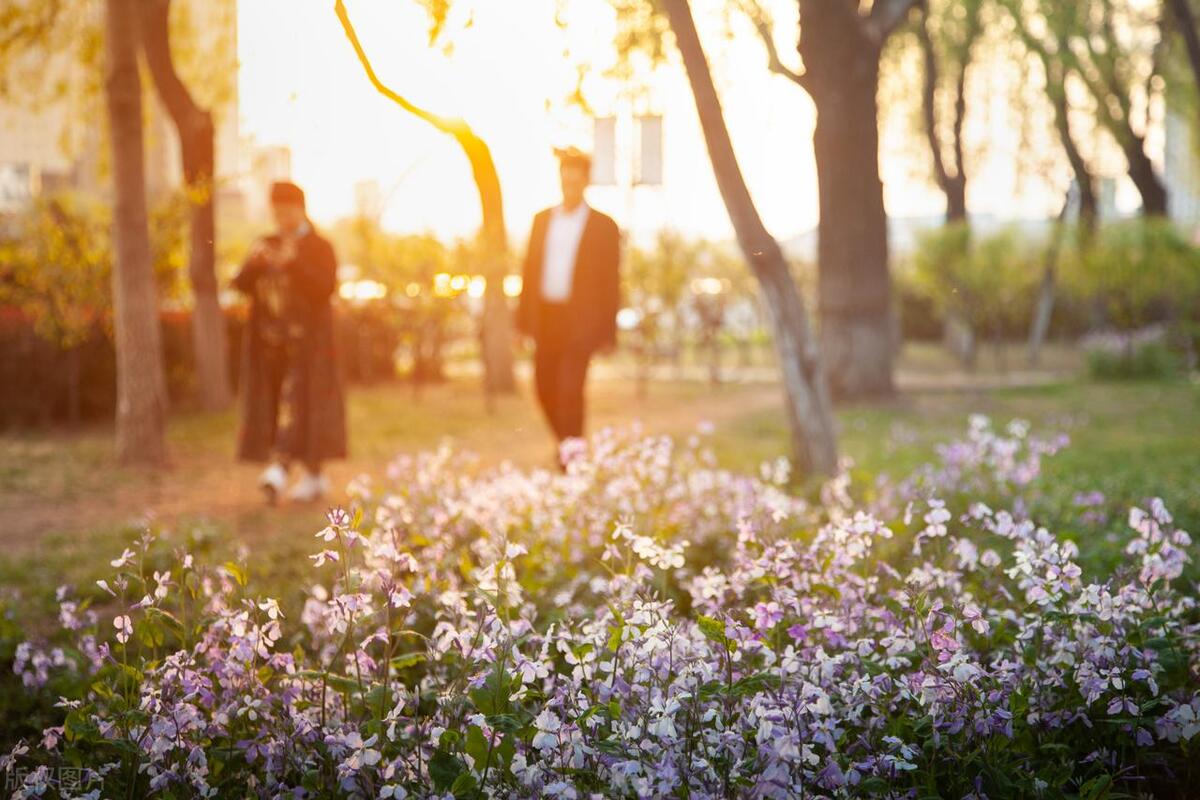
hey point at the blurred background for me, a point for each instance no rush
(978, 201)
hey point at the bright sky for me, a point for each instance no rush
(301, 86)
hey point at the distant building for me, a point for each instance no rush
(262, 165)
(54, 143)
(50, 142)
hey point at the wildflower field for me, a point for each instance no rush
(967, 623)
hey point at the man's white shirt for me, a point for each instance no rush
(562, 245)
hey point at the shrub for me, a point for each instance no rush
(645, 624)
(1137, 273)
(1142, 354)
(985, 282)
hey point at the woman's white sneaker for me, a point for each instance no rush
(272, 482)
(309, 489)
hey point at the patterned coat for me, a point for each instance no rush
(292, 403)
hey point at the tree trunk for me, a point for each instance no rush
(953, 186)
(495, 334)
(1044, 309)
(196, 143)
(842, 75)
(141, 389)
(1145, 178)
(814, 443)
(1186, 20)
(74, 387)
(496, 325)
(1089, 206)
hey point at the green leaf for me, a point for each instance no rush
(236, 572)
(591, 712)
(149, 633)
(827, 590)
(463, 785)
(506, 723)
(338, 683)
(714, 630)
(873, 785)
(613, 747)
(407, 660)
(476, 746)
(1097, 788)
(614, 636)
(444, 769)
(754, 684)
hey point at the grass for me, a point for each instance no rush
(69, 510)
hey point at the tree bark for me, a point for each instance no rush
(1186, 20)
(496, 325)
(141, 388)
(841, 75)
(196, 142)
(1055, 67)
(814, 442)
(1044, 309)
(1145, 178)
(1089, 209)
(495, 334)
(953, 184)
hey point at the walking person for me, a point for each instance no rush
(292, 406)
(571, 294)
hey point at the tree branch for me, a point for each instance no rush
(454, 127)
(483, 168)
(762, 23)
(191, 121)
(929, 101)
(884, 17)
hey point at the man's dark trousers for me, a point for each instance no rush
(560, 367)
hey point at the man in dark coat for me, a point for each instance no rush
(570, 295)
(292, 409)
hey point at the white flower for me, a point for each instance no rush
(548, 725)
(362, 754)
(325, 555)
(271, 606)
(124, 626)
(125, 558)
(560, 789)
(250, 708)
(400, 597)
(163, 580)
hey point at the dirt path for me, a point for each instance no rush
(69, 484)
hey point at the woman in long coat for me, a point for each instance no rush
(292, 406)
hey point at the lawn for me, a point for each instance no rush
(68, 509)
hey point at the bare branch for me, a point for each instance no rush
(929, 101)
(193, 123)
(764, 25)
(454, 127)
(885, 16)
